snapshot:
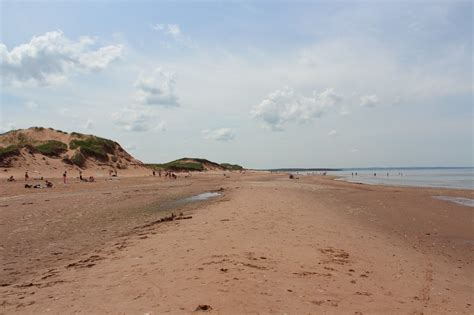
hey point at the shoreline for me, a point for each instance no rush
(294, 246)
(345, 179)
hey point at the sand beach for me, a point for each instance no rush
(266, 244)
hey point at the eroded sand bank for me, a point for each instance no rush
(266, 245)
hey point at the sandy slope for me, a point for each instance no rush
(268, 245)
(39, 165)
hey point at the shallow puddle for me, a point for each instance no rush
(175, 204)
(200, 197)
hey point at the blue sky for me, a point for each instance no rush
(306, 84)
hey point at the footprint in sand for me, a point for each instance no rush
(329, 302)
(337, 256)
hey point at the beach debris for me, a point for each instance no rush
(171, 217)
(224, 269)
(203, 308)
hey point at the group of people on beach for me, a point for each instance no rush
(168, 174)
(49, 184)
(90, 179)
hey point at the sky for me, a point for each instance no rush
(262, 84)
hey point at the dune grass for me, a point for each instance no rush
(178, 166)
(51, 148)
(7, 151)
(94, 146)
(78, 159)
(232, 167)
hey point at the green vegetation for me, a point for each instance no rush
(178, 166)
(38, 128)
(78, 159)
(8, 151)
(192, 164)
(77, 134)
(67, 160)
(94, 146)
(51, 148)
(232, 167)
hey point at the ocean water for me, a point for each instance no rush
(460, 178)
(459, 200)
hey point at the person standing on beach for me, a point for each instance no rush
(154, 173)
(64, 177)
(26, 176)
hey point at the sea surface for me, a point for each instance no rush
(459, 177)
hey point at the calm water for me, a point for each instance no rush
(424, 177)
(459, 200)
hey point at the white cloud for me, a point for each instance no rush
(332, 133)
(355, 150)
(222, 134)
(369, 100)
(172, 30)
(137, 118)
(89, 125)
(284, 106)
(158, 27)
(50, 58)
(157, 89)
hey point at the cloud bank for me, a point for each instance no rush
(222, 134)
(50, 58)
(157, 89)
(369, 100)
(138, 119)
(285, 105)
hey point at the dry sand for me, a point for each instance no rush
(268, 244)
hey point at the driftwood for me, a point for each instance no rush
(171, 217)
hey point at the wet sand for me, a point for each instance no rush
(268, 244)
